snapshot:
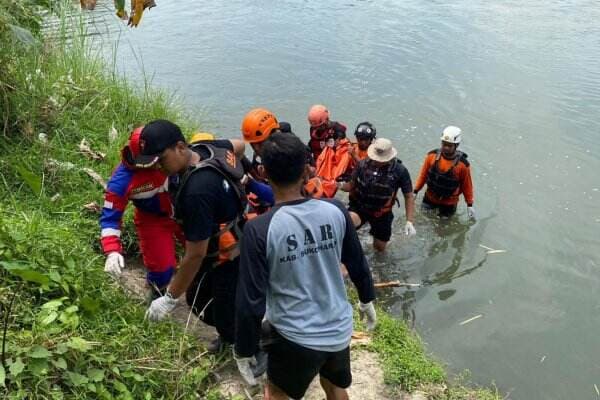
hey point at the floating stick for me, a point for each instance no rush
(395, 284)
(491, 251)
(471, 319)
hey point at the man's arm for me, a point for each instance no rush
(250, 300)
(466, 186)
(356, 263)
(405, 185)
(239, 147)
(189, 266)
(348, 186)
(164, 305)
(198, 206)
(116, 198)
(409, 206)
(423, 173)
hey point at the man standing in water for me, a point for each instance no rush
(290, 270)
(323, 131)
(447, 173)
(373, 192)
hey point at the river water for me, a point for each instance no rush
(523, 81)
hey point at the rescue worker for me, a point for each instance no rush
(373, 192)
(258, 124)
(209, 203)
(447, 173)
(147, 189)
(259, 195)
(365, 133)
(323, 131)
(289, 276)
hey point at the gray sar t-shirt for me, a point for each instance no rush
(290, 268)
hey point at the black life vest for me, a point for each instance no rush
(375, 189)
(444, 184)
(230, 168)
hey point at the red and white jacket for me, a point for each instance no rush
(147, 189)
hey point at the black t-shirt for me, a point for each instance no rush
(403, 180)
(207, 200)
(401, 176)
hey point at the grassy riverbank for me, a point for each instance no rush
(70, 331)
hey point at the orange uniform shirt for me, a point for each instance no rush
(360, 154)
(462, 172)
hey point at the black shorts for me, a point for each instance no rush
(381, 227)
(443, 210)
(292, 367)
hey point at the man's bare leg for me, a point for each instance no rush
(333, 392)
(355, 219)
(272, 392)
(379, 245)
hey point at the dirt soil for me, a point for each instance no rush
(367, 375)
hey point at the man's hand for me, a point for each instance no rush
(244, 365)
(369, 311)
(114, 264)
(471, 212)
(409, 229)
(352, 152)
(161, 307)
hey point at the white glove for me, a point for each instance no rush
(368, 310)
(244, 365)
(114, 263)
(161, 307)
(471, 212)
(409, 229)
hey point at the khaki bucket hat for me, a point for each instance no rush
(382, 150)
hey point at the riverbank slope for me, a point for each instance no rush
(70, 331)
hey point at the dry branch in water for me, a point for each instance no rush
(395, 284)
(471, 319)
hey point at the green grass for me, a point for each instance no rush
(71, 332)
(403, 359)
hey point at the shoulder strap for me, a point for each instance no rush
(463, 158)
(222, 161)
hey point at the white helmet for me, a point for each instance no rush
(452, 134)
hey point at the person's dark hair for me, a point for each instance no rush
(284, 158)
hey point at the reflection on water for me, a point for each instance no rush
(445, 245)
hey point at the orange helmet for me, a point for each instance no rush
(258, 124)
(318, 115)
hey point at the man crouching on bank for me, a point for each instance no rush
(290, 267)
